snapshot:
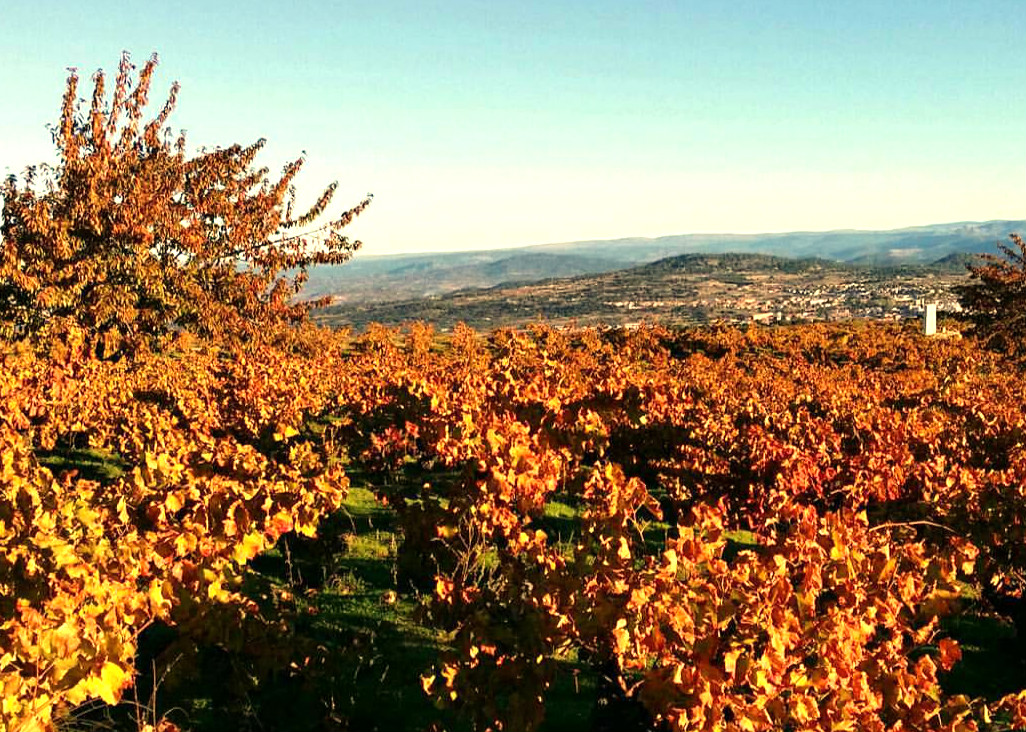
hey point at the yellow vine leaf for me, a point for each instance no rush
(108, 684)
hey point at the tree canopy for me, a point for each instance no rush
(129, 237)
(995, 299)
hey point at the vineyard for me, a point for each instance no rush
(809, 528)
(215, 515)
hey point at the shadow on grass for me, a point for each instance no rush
(90, 463)
(992, 664)
(352, 657)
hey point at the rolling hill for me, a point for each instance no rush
(370, 279)
(685, 289)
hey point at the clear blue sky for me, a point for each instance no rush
(481, 124)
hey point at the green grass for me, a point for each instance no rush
(362, 631)
(89, 463)
(376, 683)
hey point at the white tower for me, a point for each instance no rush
(930, 322)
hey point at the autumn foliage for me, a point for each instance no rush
(129, 237)
(732, 530)
(218, 472)
(996, 298)
(773, 528)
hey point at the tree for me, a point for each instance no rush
(129, 238)
(996, 298)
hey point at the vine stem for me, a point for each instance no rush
(896, 524)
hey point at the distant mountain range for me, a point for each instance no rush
(368, 278)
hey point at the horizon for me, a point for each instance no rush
(480, 127)
(613, 240)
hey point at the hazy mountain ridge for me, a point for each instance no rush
(369, 278)
(420, 276)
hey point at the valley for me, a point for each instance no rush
(692, 289)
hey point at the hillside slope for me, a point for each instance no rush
(684, 290)
(368, 279)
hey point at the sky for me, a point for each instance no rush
(480, 124)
